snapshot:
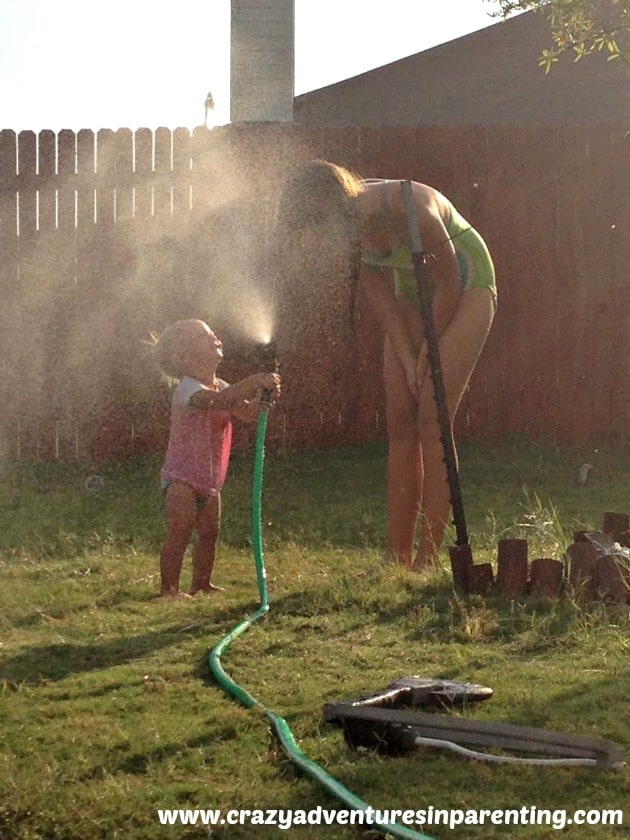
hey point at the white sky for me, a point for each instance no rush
(149, 63)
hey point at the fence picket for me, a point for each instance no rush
(47, 182)
(66, 182)
(122, 171)
(181, 171)
(143, 182)
(617, 324)
(86, 182)
(9, 290)
(162, 198)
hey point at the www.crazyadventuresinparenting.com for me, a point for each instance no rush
(429, 817)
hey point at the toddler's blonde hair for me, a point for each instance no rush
(166, 343)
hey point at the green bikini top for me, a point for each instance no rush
(405, 284)
(400, 259)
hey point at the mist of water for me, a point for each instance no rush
(235, 288)
(87, 293)
(252, 317)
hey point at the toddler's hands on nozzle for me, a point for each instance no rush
(267, 382)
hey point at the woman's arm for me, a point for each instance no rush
(382, 301)
(444, 276)
(443, 268)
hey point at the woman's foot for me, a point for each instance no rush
(393, 558)
(423, 566)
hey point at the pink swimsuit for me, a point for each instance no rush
(199, 443)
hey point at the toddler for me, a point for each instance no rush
(199, 445)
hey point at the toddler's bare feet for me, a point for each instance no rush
(206, 590)
(176, 594)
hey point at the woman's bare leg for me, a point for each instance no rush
(460, 347)
(404, 461)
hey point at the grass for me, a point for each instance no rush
(107, 709)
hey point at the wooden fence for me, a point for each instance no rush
(107, 236)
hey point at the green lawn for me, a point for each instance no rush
(107, 709)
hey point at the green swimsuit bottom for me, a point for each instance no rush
(476, 269)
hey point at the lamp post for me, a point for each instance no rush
(209, 106)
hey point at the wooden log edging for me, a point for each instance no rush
(596, 567)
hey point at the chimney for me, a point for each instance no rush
(261, 62)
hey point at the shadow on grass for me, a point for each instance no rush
(138, 764)
(57, 661)
(117, 596)
(568, 708)
(435, 612)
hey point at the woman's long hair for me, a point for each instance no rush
(319, 198)
(320, 195)
(316, 194)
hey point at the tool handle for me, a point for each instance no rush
(446, 435)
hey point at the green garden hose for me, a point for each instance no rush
(279, 724)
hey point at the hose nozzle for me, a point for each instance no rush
(267, 359)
